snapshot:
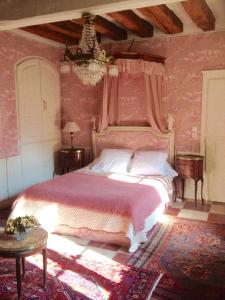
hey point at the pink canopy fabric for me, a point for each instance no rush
(152, 75)
(132, 66)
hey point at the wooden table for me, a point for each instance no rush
(35, 241)
(190, 166)
(72, 159)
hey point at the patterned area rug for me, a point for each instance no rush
(187, 256)
(76, 273)
(191, 257)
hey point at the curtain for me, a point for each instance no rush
(153, 91)
(110, 106)
(152, 76)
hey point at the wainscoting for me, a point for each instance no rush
(19, 172)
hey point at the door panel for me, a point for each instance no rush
(215, 138)
(216, 109)
(39, 119)
(3, 180)
(51, 98)
(29, 104)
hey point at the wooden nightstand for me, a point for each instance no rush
(190, 166)
(72, 159)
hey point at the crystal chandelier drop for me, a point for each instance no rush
(89, 62)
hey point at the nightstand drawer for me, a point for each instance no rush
(189, 167)
(72, 159)
(185, 170)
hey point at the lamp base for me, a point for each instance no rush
(71, 140)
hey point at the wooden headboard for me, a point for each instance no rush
(135, 138)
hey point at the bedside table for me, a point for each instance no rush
(71, 159)
(190, 166)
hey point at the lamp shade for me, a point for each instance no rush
(71, 127)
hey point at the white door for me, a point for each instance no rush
(39, 119)
(30, 105)
(50, 92)
(3, 180)
(214, 82)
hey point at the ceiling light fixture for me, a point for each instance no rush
(89, 62)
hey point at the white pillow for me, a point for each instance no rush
(149, 163)
(113, 160)
(169, 171)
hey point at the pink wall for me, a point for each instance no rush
(186, 57)
(79, 103)
(12, 49)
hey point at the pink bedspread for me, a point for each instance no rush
(99, 193)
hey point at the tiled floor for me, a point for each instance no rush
(212, 213)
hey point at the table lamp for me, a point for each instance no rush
(71, 127)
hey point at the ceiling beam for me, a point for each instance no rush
(67, 28)
(106, 27)
(17, 13)
(49, 34)
(200, 13)
(145, 57)
(163, 18)
(131, 21)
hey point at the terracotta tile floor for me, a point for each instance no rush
(212, 213)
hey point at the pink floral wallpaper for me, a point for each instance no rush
(12, 49)
(186, 56)
(79, 103)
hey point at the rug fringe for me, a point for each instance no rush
(154, 286)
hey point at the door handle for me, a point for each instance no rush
(45, 105)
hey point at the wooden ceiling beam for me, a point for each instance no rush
(131, 21)
(49, 34)
(200, 13)
(163, 18)
(106, 27)
(67, 28)
(145, 57)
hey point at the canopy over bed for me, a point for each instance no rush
(139, 56)
(152, 74)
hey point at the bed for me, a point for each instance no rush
(107, 206)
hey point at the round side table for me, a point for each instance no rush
(35, 241)
(190, 166)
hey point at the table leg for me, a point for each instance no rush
(202, 192)
(196, 189)
(18, 276)
(183, 185)
(44, 253)
(23, 266)
(175, 190)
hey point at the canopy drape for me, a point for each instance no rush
(152, 76)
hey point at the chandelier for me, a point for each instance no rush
(89, 62)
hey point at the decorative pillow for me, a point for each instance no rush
(113, 160)
(149, 163)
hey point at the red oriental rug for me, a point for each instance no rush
(190, 255)
(187, 256)
(76, 273)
